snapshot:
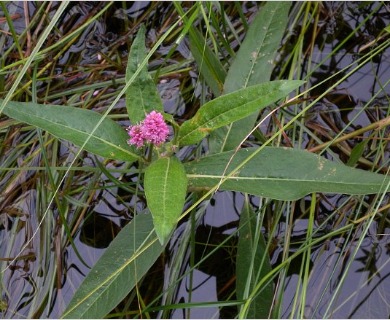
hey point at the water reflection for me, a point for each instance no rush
(98, 231)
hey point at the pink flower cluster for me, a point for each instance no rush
(152, 130)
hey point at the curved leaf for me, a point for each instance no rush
(232, 107)
(127, 259)
(75, 125)
(142, 96)
(165, 190)
(282, 173)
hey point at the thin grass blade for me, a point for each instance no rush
(253, 263)
(209, 64)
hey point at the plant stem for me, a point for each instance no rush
(373, 126)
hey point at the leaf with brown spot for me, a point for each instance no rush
(281, 173)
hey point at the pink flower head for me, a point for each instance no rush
(153, 130)
(135, 132)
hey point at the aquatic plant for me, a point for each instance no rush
(174, 186)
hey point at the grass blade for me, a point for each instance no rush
(253, 263)
(209, 64)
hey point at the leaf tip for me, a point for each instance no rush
(164, 233)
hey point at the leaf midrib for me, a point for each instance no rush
(200, 176)
(165, 186)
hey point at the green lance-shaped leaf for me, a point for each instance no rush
(165, 189)
(127, 259)
(253, 264)
(142, 96)
(254, 61)
(281, 173)
(252, 65)
(75, 125)
(232, 107)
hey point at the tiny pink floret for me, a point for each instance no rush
(153, 130)
(137, 139)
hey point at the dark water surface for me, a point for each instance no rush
(214, 279)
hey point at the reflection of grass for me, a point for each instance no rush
(300, 133)
(33, 162)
